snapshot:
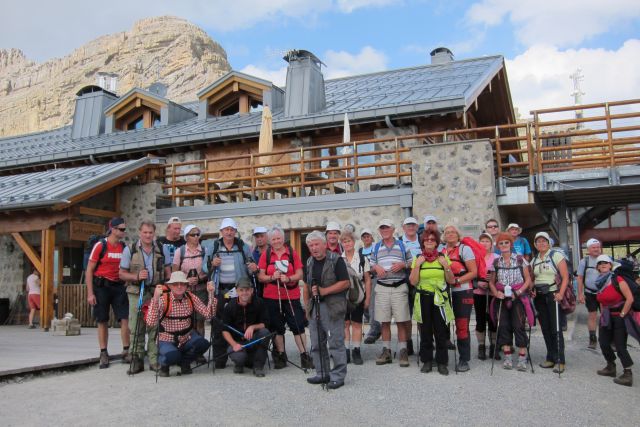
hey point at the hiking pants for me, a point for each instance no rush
(170, 354)
(482, 315)
(143, 328)
(546, 308)
(218, 342)
(462, 302)
(334, 328)
(433, 326)
(253, 356)
(616, 331)
(512, 321)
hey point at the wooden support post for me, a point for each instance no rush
(31, 253)
(46, 288)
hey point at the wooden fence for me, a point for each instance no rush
(73, 299)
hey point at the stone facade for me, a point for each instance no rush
(137, 203)
(11, 268)
(455, 182)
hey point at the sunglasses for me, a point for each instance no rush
(430, 239)
(492, 226)
(504, 242)
(124, 229)
(194, 234)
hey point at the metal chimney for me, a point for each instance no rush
(88, 117)
(441, 55)
(304, 93)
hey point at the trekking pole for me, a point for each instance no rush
(453, 326)
(316, 300)
(158, 340)
(215, 295)
(295, 319)
(558, 335)
(249, 344)
(495, 347)
(135, 336)
(528, 350)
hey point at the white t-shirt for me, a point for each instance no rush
(33, 284)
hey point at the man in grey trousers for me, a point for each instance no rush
(326, 284)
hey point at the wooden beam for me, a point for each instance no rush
(46, 289)
(101, 213)
(19, 222)
(31, 253)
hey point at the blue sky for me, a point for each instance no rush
(542, 41)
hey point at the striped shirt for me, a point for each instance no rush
(386, 257)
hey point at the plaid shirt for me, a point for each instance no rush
(510, 275)
(179, 308)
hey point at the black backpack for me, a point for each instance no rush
(626, 271)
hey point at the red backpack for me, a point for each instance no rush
(479, 253)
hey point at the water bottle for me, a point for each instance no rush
(507, 291)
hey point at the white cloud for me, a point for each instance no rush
(341, 64)
(539, 77)
(560, 23)
(59, 27)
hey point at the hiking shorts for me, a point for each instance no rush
(34, 301)
(107, 297)
(356, 314)
(278, 319)
(392, 303)
(591, 302)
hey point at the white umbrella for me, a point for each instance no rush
(346, 138)
(265, 142)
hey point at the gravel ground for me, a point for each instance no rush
(373, 395)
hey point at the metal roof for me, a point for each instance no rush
(425, 89)
(56, 186)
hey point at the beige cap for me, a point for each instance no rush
(386, 222)
(177, 277)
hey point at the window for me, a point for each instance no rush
(231, 110)
(136, 123)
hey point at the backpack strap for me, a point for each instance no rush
(362, 261)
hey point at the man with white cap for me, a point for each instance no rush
(520, 244)
(171, 242)
(333, 237)
(232, 259)
(412, 244)
(587, 289)
(390, 261)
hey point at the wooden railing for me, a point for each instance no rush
(588, 136)
(73, 299)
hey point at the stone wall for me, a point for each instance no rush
(455, 182)
(11, 268)
(137, 203)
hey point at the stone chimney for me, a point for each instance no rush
(88, 117)
(441, 55)
(304, 93)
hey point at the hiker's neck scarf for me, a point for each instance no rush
(430, 255)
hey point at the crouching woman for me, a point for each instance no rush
(174, 311)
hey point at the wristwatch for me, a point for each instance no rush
(457, 282)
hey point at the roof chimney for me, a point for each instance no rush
(441, 55)
(88, 117)
(304, 93)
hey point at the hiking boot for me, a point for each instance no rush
(608, 371)
(410, 351)
(126, 356)
(258, 372)
(462, 366)
(332, 385)
(507, 363)
(104, 360)
(443, 370)
(221, 364)
(522, 364)
(427, 367)
(185, 369)
(279, 359)
(593, 342)
(318, 379)
(348, 355)
(625, 379)
(482, 352)
(385, 357)
(371, 339)
(201, 360)
(547, 364)
(450, 345)
(403, 358)
(164, 371)
(559, 368)
(154, 366)
(238, 369)
(305, 361)
(357, 357)
(137, 366)
(32, 326)
(494, 352)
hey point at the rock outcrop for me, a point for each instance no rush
(36, 97)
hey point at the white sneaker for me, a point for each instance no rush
(507, 363)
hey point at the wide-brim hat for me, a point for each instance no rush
(178, 277)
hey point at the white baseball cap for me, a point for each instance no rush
(333, 226)
(542, 234)
(228, 222)
(593, 241)
(514, 225)
(366, 231)
(386, 222)
(410, 220)
(188, 229)
(428, 218)
(604, 258)
(259, 230)
(174, 220)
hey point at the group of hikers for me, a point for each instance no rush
(164, 289)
